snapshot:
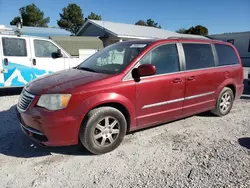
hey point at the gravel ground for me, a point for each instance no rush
(199, 151)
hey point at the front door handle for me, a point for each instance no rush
(177, 80)
(191, 78)
(34, 62)
(6, 61)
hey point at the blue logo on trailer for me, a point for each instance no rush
(21, 74)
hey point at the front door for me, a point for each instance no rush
(159, 98)
(201, 78)
(44, 59)
(16, 63)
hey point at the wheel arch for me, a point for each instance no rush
(114, 100)
(119, 107)
(230, 83)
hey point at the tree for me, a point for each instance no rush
(32, 16)
(141, 22)
(152, 23)
(94, 16)
(71, 18)
(149, 23)
(197, 30)
(15, 20)
(182, 31)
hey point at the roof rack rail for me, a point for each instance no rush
(6, 31)
(189, 38)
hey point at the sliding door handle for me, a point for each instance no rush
(177, 80)
(191, 78)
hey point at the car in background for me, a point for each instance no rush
(128, 86)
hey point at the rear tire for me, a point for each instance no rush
(103, 130)
(224, 102)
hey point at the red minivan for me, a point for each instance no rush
(129, 86)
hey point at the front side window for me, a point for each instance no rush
(226, 55)
(165, 59)
(44, 48)
(114, 58)
(14, 47)
(198, 56)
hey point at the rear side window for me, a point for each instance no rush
(198, 56)
(165, 58)
(226, 55)
(14, 47)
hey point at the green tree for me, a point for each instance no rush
(141, 22)
(32, 16)
(94, 16)
(152, 23)
(198, 30)
(182, 30)
(149, 23)
(71, 18)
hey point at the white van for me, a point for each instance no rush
(25, 58)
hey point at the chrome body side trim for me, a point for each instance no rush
(200, 95)
(162, 103)
(177, 100)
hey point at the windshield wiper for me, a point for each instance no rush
(87, 69)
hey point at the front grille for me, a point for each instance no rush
(25, 100)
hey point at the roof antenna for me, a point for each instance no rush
(19, 26)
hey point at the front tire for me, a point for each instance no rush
(224, 102)
(103, 130)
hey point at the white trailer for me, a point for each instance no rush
(241, 40)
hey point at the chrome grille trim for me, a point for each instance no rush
(25, 100)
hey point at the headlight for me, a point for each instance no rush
(54, 101)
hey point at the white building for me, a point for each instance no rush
(111, 32)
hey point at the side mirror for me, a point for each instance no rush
(144, 70)
(59, 53)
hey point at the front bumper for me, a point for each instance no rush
(49, 129)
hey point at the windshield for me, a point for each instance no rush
(113, 59)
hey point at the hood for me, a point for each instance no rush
(63, 81)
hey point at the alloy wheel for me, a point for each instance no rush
(225, 102)
(106, 131)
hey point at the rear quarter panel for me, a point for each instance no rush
(235, 74)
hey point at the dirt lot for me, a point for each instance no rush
(199, 151)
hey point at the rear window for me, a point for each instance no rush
(226, 55)
(198, 56)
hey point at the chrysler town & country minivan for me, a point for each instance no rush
(128, 86)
